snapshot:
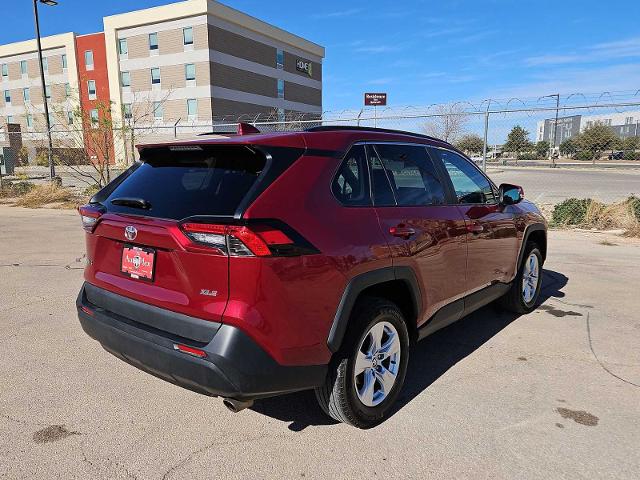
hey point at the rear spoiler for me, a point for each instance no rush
(243, 129)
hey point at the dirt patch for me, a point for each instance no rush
(522, 359)
(52, 433)
(556, 312)
(579, 416)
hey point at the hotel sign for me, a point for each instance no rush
(375, 99)
(304, 67)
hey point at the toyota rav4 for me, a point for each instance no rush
(260, 264)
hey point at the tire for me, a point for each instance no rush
(350, 398)
(516, 300)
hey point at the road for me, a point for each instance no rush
(553, 394)
(550, 186)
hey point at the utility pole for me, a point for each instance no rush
(555, 129)
(51, 3)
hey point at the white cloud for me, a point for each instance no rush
(601, 52)
(339, 13)
(613, 78)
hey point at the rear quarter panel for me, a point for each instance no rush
(292, 305)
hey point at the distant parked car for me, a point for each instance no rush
(619, 155)
(262, 264)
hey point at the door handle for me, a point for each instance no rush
(475, 228)
(402, 232)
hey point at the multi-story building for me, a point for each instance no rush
(625, 124)
(193, 63)
(22, 99)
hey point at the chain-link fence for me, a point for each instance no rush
(567, 131)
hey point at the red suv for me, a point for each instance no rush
(260, 264)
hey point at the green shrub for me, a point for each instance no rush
(584, 155)
(634, 203)
(16, 189)
(631, 155)
(572, 211)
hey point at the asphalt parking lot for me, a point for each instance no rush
(553, 394)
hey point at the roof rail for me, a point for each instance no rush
(330, 128)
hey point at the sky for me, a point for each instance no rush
(424, 51)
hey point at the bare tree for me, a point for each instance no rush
(448, 123)
(139, 117)
(86, 142)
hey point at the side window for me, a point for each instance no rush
(471, 186)
(351, 183)
(412, 174)
(382, 192)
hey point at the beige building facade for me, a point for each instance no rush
(21, 93)
(198, 62)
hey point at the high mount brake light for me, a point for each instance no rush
(89, 215)
(235, 240)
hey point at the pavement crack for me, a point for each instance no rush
(101, 469)
(201, 450)
(595, 355)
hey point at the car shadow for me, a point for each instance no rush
(439, 352)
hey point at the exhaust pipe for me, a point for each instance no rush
(236, 405)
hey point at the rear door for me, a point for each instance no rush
(422, 231)
(139, 248)
(492, 234)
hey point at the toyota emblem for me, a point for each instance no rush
(130, 233)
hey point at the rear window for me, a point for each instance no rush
(178, 183)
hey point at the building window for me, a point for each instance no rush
(23, 67)
(91, 86)
(126, 110)
(192, 108)
(155, 76)
(158, 112)
(125, 78)
(628, 120)
(280, 88)
(280, 59)
(26, 94)
(69, 118)
(7, 96)
(190, 71)
(10, 119)
(64, 61)
(29, 121)
(123, 47)
(153, 41)
(5, 71)
(67, 90)
(88, 59)
(45, 64)
(93, 114)
(187, 35)
(51, 119)
(47, 91)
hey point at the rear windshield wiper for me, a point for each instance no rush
(131, 202)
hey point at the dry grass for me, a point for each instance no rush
(614, 216)
(48, 194)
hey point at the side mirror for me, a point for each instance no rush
(510, 194)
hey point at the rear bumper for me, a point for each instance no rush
(144, 336)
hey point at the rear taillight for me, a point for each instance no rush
(244, 241)
(89, 215)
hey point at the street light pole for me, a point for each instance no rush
(52, 168)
